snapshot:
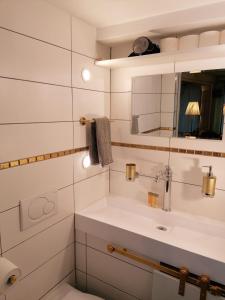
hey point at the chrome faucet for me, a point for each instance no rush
(166, 176)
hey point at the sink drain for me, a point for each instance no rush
(162, 228)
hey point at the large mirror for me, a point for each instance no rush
(187, 105)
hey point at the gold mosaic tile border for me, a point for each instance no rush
(39, 158)
(169, 149)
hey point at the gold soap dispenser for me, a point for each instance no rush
(209, 183)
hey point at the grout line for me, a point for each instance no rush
(86, 257)
(44, 263)
(58, 283)
(36, 234)
(100, 173)
(52, 84)
(34, 38)
(37, 122)
(122, 291)
(34, 81)
(120, 92)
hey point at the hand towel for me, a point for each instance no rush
(92, 142)
(103, 137)
(134, 126)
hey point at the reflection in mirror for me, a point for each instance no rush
(201, 104)
(185, 105)
(154, 104)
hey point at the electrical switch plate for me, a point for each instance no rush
(37, 209)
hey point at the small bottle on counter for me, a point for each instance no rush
(153, 200)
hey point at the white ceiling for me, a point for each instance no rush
(103, 13)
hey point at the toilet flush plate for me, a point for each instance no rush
(37, 209)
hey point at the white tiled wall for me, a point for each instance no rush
(42, 97)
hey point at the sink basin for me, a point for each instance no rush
(186, 239)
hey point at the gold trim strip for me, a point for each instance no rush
(214, 288)
(170, 149)
(39, 158)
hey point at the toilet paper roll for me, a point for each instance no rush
(188, 42)
(169, 44)
(222, 37)
(209, 38)
(9, 275)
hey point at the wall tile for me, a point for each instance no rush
(106, 291)
(122, 50)
(24, 58)
(84, 41)
(44, 278)
(100, 77)
(81, 282)
(90, 104)
(38, 19)
(91, 190)
(51, 243)
(147, 84)
(23, 102)
(24, 140)
(131, 279)
(167, 102)
(81, 253)
(167, 120)
(137, 189)
(11, 234)
(53, 292)
(28, 181)
(79, 135)
(121, 106)
(100, 245)
(80, 236)
(80, 173)
(83, 38)
(145, 103)
(189, 199)
(169, 83)
(148, 162)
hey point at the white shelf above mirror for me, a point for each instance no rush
(217, 51)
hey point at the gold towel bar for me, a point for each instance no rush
(214, 288)
(83, 121)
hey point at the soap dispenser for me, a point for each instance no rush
(209, 183)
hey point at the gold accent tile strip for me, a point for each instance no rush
(39, 158)
(171, 149)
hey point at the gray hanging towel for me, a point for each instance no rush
(92, 142)
(103, 137)
(134, 126)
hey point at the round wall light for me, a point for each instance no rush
(86, 162)
(86, 75)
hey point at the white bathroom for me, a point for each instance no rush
(112, 156)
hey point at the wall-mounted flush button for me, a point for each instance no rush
(49, 207)
(37, 209)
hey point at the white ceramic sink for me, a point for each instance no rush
(187, 233)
